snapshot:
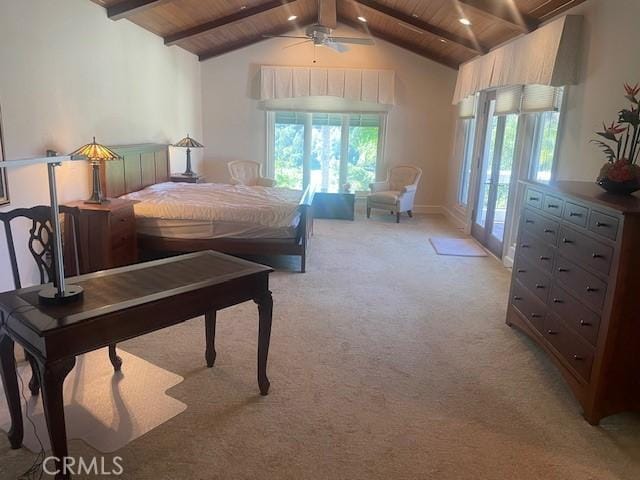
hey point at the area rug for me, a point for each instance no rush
(459, 247)
(106, 410)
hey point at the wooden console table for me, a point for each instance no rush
(120, 304)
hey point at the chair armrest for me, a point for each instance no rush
(379, 186)
(266, 182)
(410, 188)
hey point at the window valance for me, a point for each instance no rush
(546, 56)
(360, 85)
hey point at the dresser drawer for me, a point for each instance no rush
(553, 205)
(569, 345)
(585, 250)
(587, 287)
(528, 306)
(533, 198)
(536, 251)
(541, 226)
(604, 225)
(574, 314)
(576, 214)
(533, 279)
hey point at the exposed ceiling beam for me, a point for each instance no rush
(245, 42)
(327, 13)
(552, 8)
(398, 42)
(504, 12)
(221, 22)
(422, 25)
(129, 7)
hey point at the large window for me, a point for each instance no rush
(327, 150)
(469, 130)
(544, 145)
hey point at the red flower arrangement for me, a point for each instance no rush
(622, 156)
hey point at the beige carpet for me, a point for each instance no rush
(387, 361)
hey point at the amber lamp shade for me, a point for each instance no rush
(188, 143)
(95, 153)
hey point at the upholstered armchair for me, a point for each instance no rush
(247, 172)
(397, 192)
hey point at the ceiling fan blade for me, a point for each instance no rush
(338, 47)
(297, 43)
(352, 40)
(282, 36)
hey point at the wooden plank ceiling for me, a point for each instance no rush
(430, 28)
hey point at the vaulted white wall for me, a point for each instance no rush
(68, 73)
(419, 129)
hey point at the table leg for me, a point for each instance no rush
(265, 310)
(210, 330)
(10, 384)
(52, 377)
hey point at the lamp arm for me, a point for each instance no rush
(58, 280)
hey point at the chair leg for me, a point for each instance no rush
(397, 217)
(116, 361)
(410, 213)
(368, 212)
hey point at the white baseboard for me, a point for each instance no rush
(453, 218)
(428, 209)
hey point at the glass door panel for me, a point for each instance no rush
(326, 150)
(487, 167)
(504, 176)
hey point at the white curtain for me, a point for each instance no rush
(547, 56)
(369, 86)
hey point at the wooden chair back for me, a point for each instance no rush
(40, 241)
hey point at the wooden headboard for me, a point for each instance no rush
(141, 165)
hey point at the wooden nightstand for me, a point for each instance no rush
(107, 234)
(182, 178)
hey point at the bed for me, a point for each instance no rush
(186, 217)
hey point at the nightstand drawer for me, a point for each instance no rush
(584, 285)
(584, 250)
(122, 222)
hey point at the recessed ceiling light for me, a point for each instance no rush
(465, 21)
(414, 15)
(243, 7)
(362, 19)
(442, 40)
(292, 18)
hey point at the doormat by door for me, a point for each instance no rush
(459, 247)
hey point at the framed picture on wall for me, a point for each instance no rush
(4, 193)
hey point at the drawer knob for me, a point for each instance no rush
(542, 257)
(591, 289)
(534, 199)
(522, 270)
(552, 332)
(548, 230)
(575, 214)
(578, 358)
(553, 205)
(539, 286)
(529, 221)
(557, 300)
(525, 245)
(563, 270)
(597, 255)
(584, 324)
(535, 315)
(566, 240)
(516, 298)
(602, 224)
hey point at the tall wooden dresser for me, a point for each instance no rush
(575, 290)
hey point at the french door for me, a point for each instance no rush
(494, 179)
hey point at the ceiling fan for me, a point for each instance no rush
(320, 33)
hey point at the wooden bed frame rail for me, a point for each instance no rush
(147, 164)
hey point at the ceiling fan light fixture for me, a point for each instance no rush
(292, 18)
(362, 19)
(465, 21)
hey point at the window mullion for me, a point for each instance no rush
(306, 159)
(344, 151)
